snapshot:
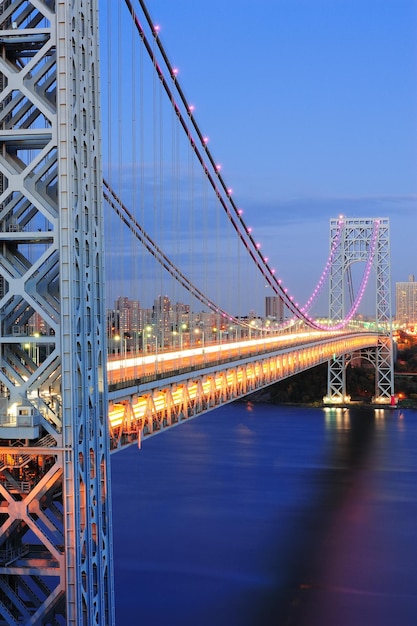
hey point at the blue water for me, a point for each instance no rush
(256, 515)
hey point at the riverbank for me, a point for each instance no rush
(263, 397)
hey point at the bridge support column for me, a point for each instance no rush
(56, 563)
(336, 380)
(366, 240)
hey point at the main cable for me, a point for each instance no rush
(235, 216)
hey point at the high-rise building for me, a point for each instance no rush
(180, 314)
(136, 317)
(406, 301)
(126, 316)
(274, 308)
(162, 319)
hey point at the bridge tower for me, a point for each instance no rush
(55, 520)
(367, 240)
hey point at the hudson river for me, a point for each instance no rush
(258, 515)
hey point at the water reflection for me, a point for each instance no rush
(262, 515)
(356, 572)
(337, 417)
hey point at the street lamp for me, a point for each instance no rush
(215, 329)
(121, 342)
(197, 332)
(33, 349)
(146, 336)
(234, 330)
(182, 328)
(116, 345)
(156, 352)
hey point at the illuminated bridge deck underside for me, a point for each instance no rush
(149, 394)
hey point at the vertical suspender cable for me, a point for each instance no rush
(134, 248)
(174, 221)
(141, 104)
(121, 236)
(161, 211)
(190, 233)
(110, 330)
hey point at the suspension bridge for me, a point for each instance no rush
(110, 193)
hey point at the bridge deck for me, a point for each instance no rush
(148, 395)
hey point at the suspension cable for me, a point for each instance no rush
(235, 215)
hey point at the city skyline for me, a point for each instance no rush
(164, 320)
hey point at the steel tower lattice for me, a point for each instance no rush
(357, 238)
(55, 522)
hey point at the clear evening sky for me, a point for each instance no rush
(311, 108)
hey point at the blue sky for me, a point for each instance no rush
(311, 108)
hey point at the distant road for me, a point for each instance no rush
(405, 373)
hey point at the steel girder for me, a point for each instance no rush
(139, 412)
(55, 526)
(359, 236)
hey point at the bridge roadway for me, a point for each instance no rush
(149, 393)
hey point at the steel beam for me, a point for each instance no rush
(361, 237)
(143, 410)
(55, 529)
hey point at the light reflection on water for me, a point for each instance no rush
(337, 417)
(259, 515)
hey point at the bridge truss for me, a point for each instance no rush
(366, 240)
(55, 541)
(148, 405)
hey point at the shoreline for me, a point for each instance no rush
(264, 398)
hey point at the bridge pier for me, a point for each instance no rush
(56, 564)
(366, 240)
